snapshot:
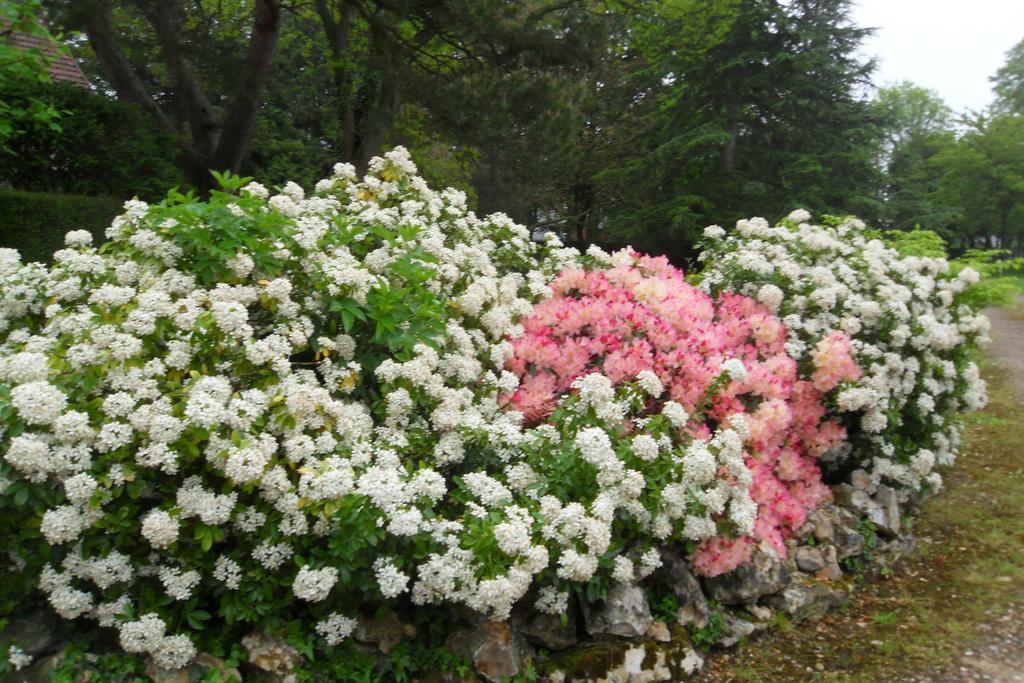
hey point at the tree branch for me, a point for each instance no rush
(99, 27)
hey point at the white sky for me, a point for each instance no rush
(949, 46)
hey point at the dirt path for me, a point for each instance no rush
(954, 610)
(1007, 347)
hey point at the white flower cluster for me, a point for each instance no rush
(911, 333)
(203, 419)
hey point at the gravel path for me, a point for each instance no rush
(997, 654)
(1007, 347)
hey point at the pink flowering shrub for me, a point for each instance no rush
(717, 358)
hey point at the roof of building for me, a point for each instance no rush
(62, 68)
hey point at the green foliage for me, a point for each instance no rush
(79, 664)
(917, 125)
(103, 147)
(1000, 276)
(664, 605)
(982, 176)
(1008, 82)
(858, 564)
(916, 242)
(724, 138)
(35, 223)
(703, 637)
(25, 68)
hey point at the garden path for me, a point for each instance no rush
(1007, 347)
(954, 610)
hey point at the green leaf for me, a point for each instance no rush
(21, 496)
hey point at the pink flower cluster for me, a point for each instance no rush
(645, 316)
(833, 362)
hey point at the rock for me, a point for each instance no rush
(273, 656)
(158, 675)
(809, 559)
(383, 630)
(849, 542)
(199, 670)
(888, 502)
(804, 599)
(624, 613)
(861, 480)
(692, 662)
(831, 571)
(843, 495)
(862, 504)
(889, 552)
(497, 652)
(736, 629)
(621, 661)
(640, 667)
(675, 575)
(545, 630)
(821, 519)
(760, 613)
(791, 545)
(624, 662)
(34, 634)
(658, 630)
(38, 672)
(765, 574)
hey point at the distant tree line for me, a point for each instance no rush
(610, 120)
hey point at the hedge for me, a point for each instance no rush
(76, 158)
(35, 223)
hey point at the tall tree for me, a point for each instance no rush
(213, 125)
(983, 178)
(1008, 82)
(916, 125)
(763, 116)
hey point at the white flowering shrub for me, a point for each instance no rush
(911, 328)
(265, 407)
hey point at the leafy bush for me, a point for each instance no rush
(1001, 276)
(1000, 271)
(912, 333)
(78, 156)
(35, 222)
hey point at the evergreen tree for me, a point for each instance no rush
(765, 118)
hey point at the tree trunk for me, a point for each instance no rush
(338, 32)
(167, 18)
(208, 145)
(733, 126)
(236, 132)
(371, 128)
(582, 212)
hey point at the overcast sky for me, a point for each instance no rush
(951, 46)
